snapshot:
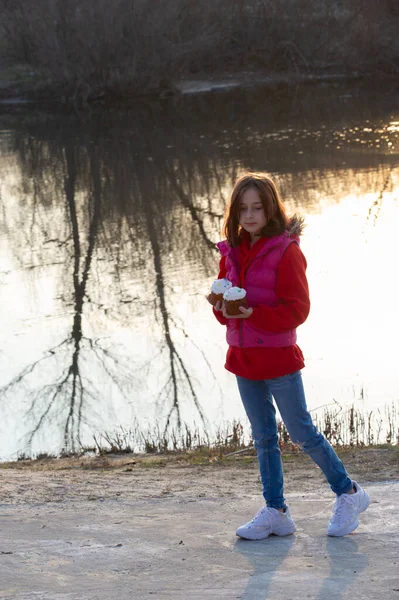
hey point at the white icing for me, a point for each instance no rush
(220, 286)
(234, 293)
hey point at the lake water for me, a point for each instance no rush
(108, 224)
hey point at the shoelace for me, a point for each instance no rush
(340, 505)
(263, 511)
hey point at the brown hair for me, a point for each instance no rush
(276, 216)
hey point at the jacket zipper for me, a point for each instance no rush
(246, 269)
(240, 329)
(256, 258)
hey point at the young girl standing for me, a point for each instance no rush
(261, 254)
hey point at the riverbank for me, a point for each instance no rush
(174, 474)
(19, 86)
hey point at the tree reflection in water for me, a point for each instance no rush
(130, 204)
(98, 194)
(66, 395)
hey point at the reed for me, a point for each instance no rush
(342, 427)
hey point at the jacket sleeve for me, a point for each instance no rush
(222, 274)
(292, 292)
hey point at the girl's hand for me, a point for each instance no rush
(246, 312)
(217, 307)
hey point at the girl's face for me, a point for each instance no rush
(252, 215)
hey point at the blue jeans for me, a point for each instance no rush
(288, 392)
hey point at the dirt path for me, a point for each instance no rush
(162, 527)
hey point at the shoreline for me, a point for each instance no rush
(206, 457)
(183, 476)
(18, 93)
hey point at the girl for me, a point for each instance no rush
(262, 255)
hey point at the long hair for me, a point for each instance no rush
(276, 216)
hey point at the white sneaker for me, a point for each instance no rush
(346, 510)
(265, 522)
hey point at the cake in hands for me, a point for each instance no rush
(233, 299)
(218, 288)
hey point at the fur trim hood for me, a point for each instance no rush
(296, 225)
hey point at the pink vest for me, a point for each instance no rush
(260, 284)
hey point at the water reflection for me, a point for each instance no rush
(108, 229)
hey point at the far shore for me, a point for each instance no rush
(26, 87)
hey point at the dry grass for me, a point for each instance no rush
(343, 428)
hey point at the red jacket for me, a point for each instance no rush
(292, 310)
